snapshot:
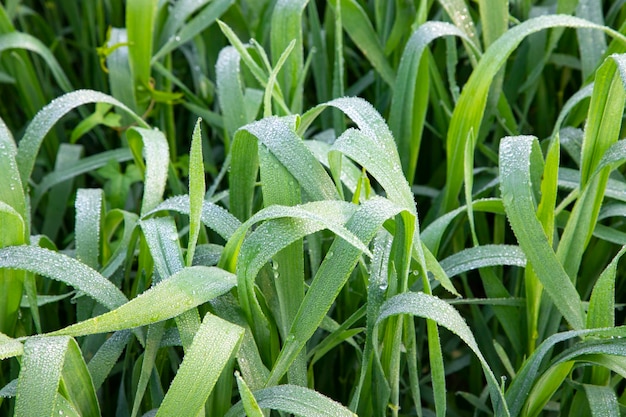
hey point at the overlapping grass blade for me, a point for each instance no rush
(215, 342)
(359, 27)
(601, 131)
(157, 156)
(295, 400)
(340, 259)
(44, 120)
(45, 361)
(183, 291)
(287, 27)
(433, 308)
(517, 154)
(468, 113)
(213, 216)
(65, 269)
(411, 90)
(17, 40)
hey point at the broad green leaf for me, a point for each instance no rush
(433, 308)
(516, 157)
(65, 269)
(183, 291)
(47, 117)
(214, 344)
(295, 400)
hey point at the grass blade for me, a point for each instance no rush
(215, 342)
(295, 400)
(65, 269)
(429, 307)
(516, 156)
(468, 113)
(197, 189)
(48, 116)
(183, 291)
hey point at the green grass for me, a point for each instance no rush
(273, 208)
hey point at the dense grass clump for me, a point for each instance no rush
(292, 207)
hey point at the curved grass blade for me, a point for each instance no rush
(17, 40)
(197, 24)
(602, 130)
(183, 291)
(602, 401)
(429, 307)
(65, 269)
(339, 262)
(468, 113)
(481, 257)
(213, 216)
(516, 156)
(289, 150)
(82, 166)
(295, 400)
(230, 90)
(214, 344)
(411, 92)
(520, 386)
(44, 362)
(157, 156)
(47, 117)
